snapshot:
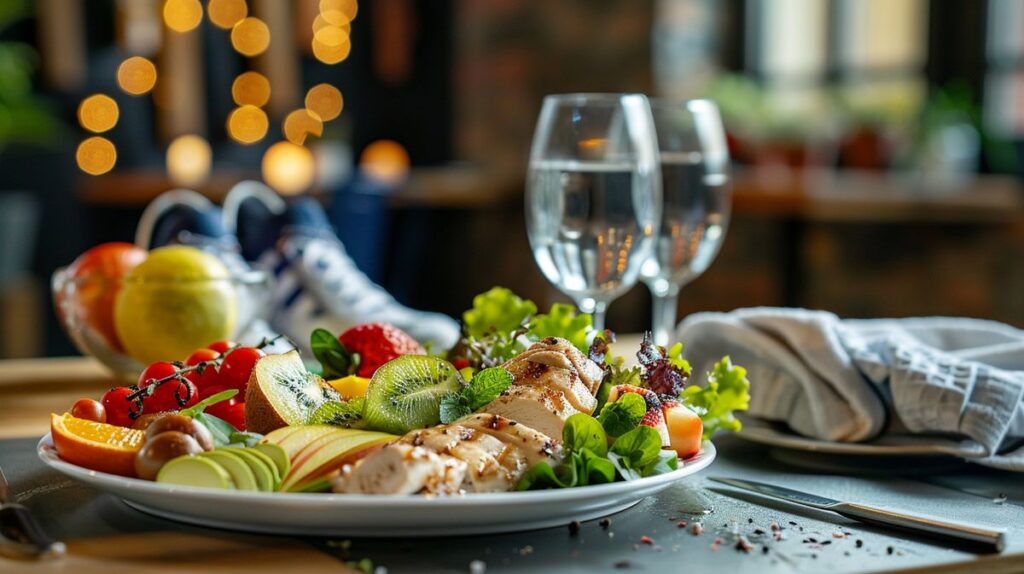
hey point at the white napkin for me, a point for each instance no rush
(852, 380)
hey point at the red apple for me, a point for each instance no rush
(98, 273)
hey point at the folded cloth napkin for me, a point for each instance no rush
(853, 380)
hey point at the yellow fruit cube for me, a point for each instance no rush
(351, 386)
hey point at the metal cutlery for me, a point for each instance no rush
(20, 533)
(982, 538)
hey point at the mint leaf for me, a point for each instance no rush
(335, 360)
(454, 407)
(485, 386)
(583, 431)
(497, 311)
(562, 321)
(345, 414)
(210, 400)
(726, 392)
(639, 447)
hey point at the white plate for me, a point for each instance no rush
(375, 515)
(762, 432)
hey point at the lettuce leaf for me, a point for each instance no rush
(726, 392)
(497, 311)
(563, 321)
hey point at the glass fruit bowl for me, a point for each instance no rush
(128, 323)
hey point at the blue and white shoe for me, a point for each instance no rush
(184, 217)
(317, 283)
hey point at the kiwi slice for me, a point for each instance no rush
(405, 393)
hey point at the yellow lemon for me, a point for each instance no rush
(176, 301)
(351, 386)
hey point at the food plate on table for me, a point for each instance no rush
(376, 515)
(529, 421)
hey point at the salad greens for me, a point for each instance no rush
(335, 360)
(622, 415)
(501, 325)
(727, 391)
(484, 387)
(590, 460)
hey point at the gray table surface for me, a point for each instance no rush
(811, 541)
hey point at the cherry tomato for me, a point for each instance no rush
(219, 409)
(156, 371)
(117, 407)
(235, 415)
(222, 346)
(237, 366)
(209, 376)
(172, 396)
(89, 410)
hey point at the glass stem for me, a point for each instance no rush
(664, 319)
(595, 308)
(600, 307)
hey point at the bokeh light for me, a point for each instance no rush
(325, 101)
(182, 15)
(338, 11)
(136, 75)
(226, 13)
(96, 155)
(251, 88)
(98, 113)
(331, 36)
(188, 160)
(385, 161)
(247, 124)
(300, 124)
(288, 168)
(320, 22)
(250, 37)
(331, 54)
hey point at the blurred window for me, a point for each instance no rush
(1004, 80)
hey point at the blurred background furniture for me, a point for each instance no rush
(878, 143)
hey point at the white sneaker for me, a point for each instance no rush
(317, 283)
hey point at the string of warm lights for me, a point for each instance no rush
(287, 166)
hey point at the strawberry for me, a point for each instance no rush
(378, 343)
(654, 417)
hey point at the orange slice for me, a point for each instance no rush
(96, 446)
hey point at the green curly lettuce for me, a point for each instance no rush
(563, 321)
(497, 311)
(726, 392)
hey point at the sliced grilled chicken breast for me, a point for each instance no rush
(536, 446)
(536, 406)
(588, 371)
(564, 380)
(482, 453)
(403, 469)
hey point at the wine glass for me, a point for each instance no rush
(593, 196)
(696, 203)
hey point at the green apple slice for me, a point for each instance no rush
(276, 454)
(264, 470)
(294, 442)
(192, 470)
(330, 454)
(241, 475)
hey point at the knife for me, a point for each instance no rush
(983, 538)
(20, 533)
